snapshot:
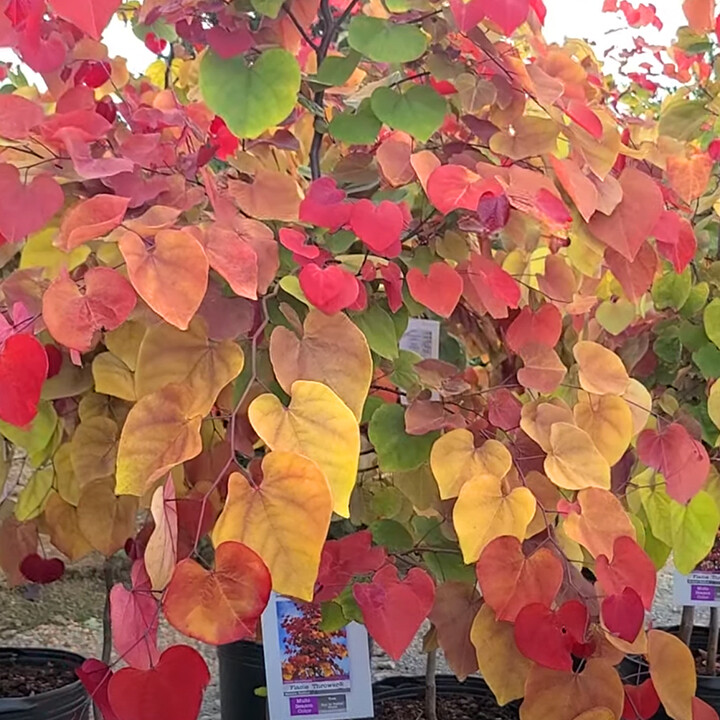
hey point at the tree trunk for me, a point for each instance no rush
(431, 686)
(712, 647)
(109, 575)
(687, 623)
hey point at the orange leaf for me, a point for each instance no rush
(221, 605)
(233, 259)
(424, 163)
(700, 14)
(271, 195)
(563, 696)
(673, 672)
(543, 370)
(171, 275)
(156, 218)
(601, 371)
(162, 546)
(601, 520)
(61, 519)
(689, 177)
(17, 541)
(578, 186)
(91, 219)
(393, 157)
(105, 520)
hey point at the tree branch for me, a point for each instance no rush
(299, 27)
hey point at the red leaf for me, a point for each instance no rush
(394, 609)
(329, 289)
(344, 559)
(496, 289)
(233, 259)
(623, 614)
(134, 615)
(543, 370)
(507, 14)
(296, 242)
(378, 226)
(635, 277)
(23, 369)
(630, 567)
(18, 116)
(73, 318)
(91, 16)
(91, 219)
(493, 211)
(85, 163)
(578, 186)
(467, 16)
(634, 219)
(675, 240)
(42, 570)
(439, 290)
(547, 637)
(95, 676)
(509, 580)
(324, 205)
(26, 208)
(451, 187)
(221, 605)
(581, 114)
(641, 701)
(681, 459)
(504, 409)
(543, 327)
(172, 689)
(702, 711)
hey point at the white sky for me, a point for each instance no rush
(565, 18)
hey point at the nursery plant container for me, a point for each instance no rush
(242, 672)
(41, 684)
(634, 670)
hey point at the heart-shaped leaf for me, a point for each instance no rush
(268, 88)
(329, 289)
(623, 614)
(42, 570)
(439, 290)
(420, 111)
(386, 41)
(91, 16)
(23, 369)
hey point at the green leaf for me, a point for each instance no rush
(337, 69)
(385, 41)
(403, 374)
(159, 28)
(615, 316)
(671, 290)
(250, 99)
(697, 299)
(692, 336)
(449, 567)
(420, 111)
(35, 439)
(694, 527)
(356, 128)
(339, 242)
(668, 348)
(392, 535)
(269, 8)
(34, 495)
(711, 321)
(682, 119)
(350, 608)
(332, 617)
(707, 358)
(372, 403)
(379, 329)
(396, 450)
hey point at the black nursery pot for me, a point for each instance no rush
(634, 670)
(242, 671)
(69, 702)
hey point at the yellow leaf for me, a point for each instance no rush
(485, 511)
(673, 672)
(538, 416)
(318, 425)
(105, 520)
(601, 520)
(188, 357)
(113, 377)
(601, 371)
(331, 350)
(598, 713)
(454, 460)
(125, 342)
(162, 547)
(284, 519)
(65, 534)
(66, 482)
(32, 498)
(714, 404)
(639, 401)
(608, 421)
(501, 664)
(573, 461)
(39, 252)
(161, 431)
(94, 448)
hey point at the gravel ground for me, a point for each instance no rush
(67, 615)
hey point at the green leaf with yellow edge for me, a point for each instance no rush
(331, 350)
(455, 460)
(396, 449)
(284, 519)
(419, 111)
(106, 520)
(39, 251)
(486, 509)
(385, 41)
(36, 439)
(681, 118)
(161, 431)
(711, 321)
(93, 448)
(671, 290)
(268, 89)
(616, 316)
(694, 527)
(113, 377)
(32, 498)
(318, 425)
(187, 357)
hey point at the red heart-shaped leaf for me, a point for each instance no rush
(543, 327)
(95, 676)
(23, 369)
(630, 567)
(172, 689)
(329, 289)
(439, 290)
(324, 205)
(378, 226)
(134, 615)
(394, 609)
(641, 701)
(624, 614)
(42, 570)
(91, 16)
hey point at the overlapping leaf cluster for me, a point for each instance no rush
(207, 275)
